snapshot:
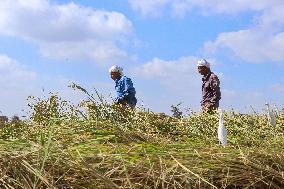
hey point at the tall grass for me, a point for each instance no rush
(99, 145)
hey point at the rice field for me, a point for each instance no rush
(98, 145)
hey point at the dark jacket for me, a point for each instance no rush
(211, 93)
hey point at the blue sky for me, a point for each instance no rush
(47, 44)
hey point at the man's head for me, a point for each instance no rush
(203, 67)
(115, 72)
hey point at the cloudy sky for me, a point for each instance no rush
(47, 44)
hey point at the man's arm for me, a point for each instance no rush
(215, 87)
(127, 84)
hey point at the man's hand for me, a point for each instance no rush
(208, 107)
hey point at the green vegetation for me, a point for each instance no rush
(97, 145)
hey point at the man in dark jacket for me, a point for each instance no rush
(211, 94)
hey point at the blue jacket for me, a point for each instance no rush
(125, 91)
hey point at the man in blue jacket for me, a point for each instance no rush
(124, 87)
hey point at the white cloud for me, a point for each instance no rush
(14, 74)
(170, 72)
(262, 42)
(251, 45)
(248, 101)
(171, 82)
(16, 83)
(149, 7)
(227, 7)
(244, 101)
(272, 18)
(101, 52)
(62, 30)
(182, 7)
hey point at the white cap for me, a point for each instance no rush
(116, 68)
(203, 62)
